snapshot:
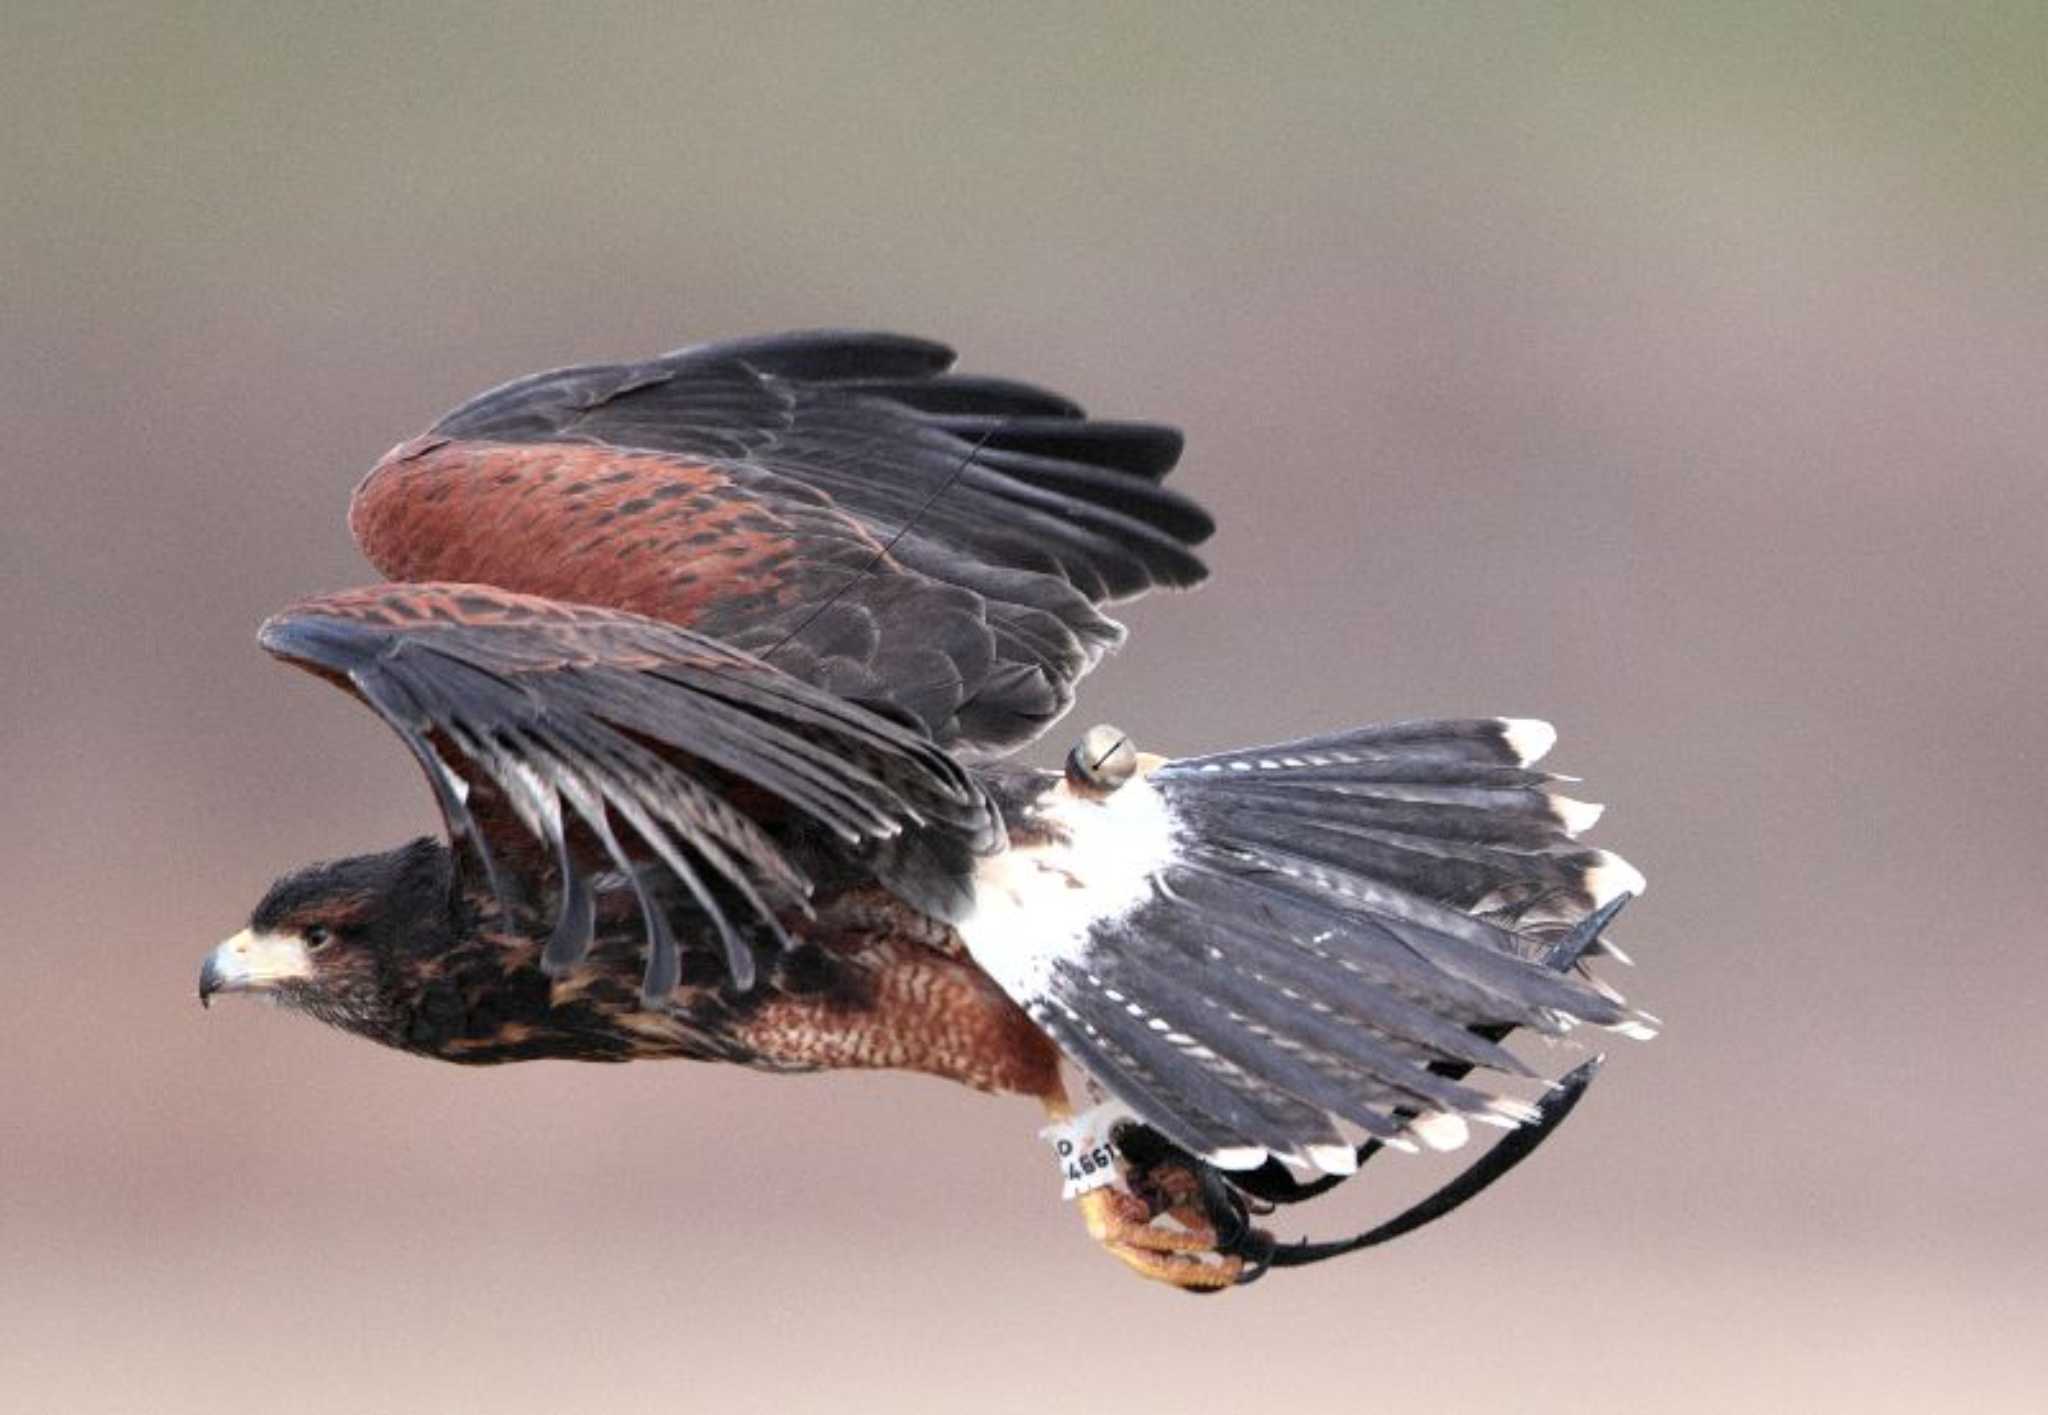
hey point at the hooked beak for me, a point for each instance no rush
(254, 962)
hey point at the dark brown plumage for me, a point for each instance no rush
(696, 654)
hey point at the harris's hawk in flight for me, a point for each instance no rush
(713, 663)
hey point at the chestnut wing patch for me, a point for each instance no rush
(671, 753)
(933, 543)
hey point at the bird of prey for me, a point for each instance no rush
(714, 664)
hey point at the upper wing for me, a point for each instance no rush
(546, 726)
(930, 543)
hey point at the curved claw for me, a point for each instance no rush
(1171, 1180)
(1236, 1235)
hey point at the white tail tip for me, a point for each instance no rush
(1237, 1157)
(1611, 877)
(1574, 816)
(1529, 738)
(1333, 1159)
(1440, 1130)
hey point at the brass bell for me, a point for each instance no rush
(1101, 761)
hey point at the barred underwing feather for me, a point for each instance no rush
(1251, 1107)
(1183, 1123)
(1504, 741)
(1403, 1005)
(1336, 1067)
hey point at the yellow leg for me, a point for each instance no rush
(1174, 1244)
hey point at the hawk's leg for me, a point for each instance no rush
(1168, 1220)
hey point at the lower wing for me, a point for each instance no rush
(559, 738)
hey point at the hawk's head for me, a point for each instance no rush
(338, 939)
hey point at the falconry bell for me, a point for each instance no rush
(1101, 761)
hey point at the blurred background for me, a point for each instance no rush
(1675, 373)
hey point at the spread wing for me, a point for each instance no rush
(934, 545)
(563, 737)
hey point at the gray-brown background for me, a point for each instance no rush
(1677, 378)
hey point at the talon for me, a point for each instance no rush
(1167, 1186)
(1185, 1257)
(1169, 1216)
(1178, 1225)
(1230, 1215)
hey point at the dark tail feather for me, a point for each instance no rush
(1343, 929)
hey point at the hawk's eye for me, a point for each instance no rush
(316, 937)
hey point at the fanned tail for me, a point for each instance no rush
(1256, 949)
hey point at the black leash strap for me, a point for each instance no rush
(1513, 1147)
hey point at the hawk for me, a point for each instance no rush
(714, 664)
